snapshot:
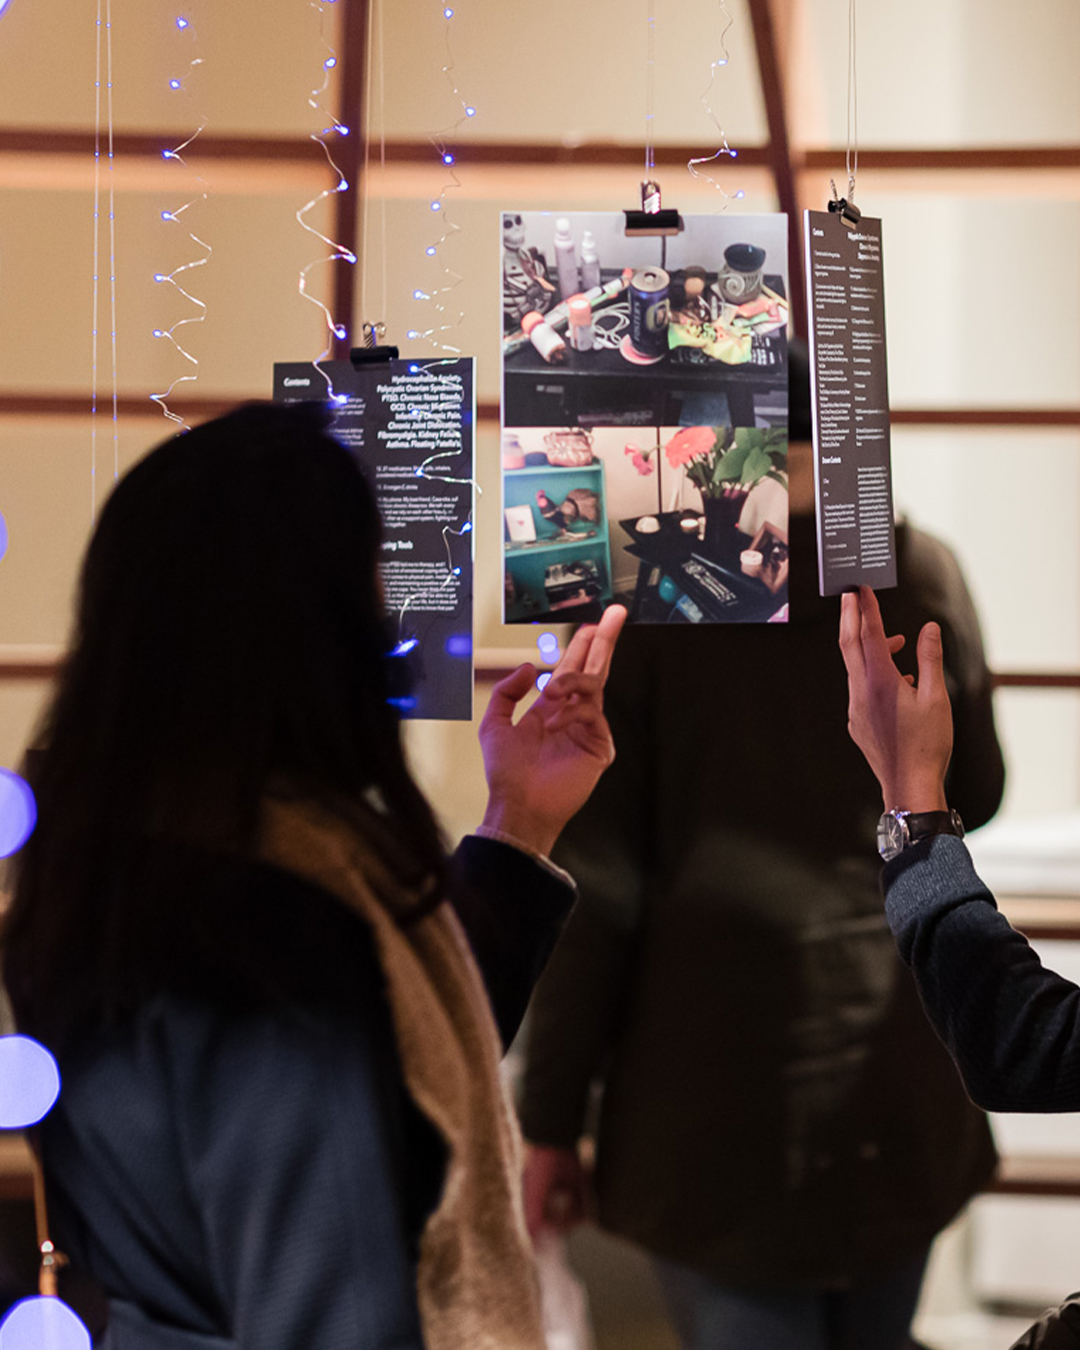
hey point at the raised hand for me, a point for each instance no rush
(557, 1188)
(903, 727)
(542, 768)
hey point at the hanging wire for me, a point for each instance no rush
(112, 238)
(725, 149)
(851, 158)
(441, 140)
(173, 217)
(339, 252)
(96, 266)
(852, 162)
(375, 42)
(650, 90)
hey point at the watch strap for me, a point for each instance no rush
(925, 824)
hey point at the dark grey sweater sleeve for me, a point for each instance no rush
(1011, 1025)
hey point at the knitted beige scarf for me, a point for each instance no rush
(476, 1284)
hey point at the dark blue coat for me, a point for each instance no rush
(250, 1172)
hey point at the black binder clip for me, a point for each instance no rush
(371, 353)
(848, 212)
(652, 219)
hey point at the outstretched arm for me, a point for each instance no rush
(1012, 1026)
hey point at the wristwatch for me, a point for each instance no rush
(897, 830)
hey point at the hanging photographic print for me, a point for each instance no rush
(411, 425)
(644, 418)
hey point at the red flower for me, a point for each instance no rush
(688, 444)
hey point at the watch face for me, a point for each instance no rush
(891, 836)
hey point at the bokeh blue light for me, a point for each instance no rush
(18, 812)
(43, 1324)
(29, 1082)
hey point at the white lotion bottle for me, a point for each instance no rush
(590, 262)
(566, 267)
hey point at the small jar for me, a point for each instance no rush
(739, 279)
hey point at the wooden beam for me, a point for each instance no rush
(154, 144)
(774, 93)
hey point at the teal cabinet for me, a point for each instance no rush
(568, 562)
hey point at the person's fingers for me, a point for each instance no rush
(851, 634)
(602, 647)
(592, 645)
(931, 662)
(563, 686)
(873, 629)
(507, 694)
(577, 649)
(909, 679)
(896, 643)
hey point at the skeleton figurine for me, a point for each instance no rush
(525, 285)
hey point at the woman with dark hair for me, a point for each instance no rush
(281, 1123)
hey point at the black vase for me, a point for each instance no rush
(722, 519)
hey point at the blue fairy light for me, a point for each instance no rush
(174, 84)
(330, 63)
(404, 647)
(436, 206)
(3, 536)
(29, 1082)
(413, 333)
(542, 680)
(38, 1322)
(431, 250)
(548, 644)
(459, 645)
(181, 22)
(470, 112)
(448, 13)
(18, 812)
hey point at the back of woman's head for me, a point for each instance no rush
(229, 637)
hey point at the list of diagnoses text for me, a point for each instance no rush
(850, 387)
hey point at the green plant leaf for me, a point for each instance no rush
(730, 466)
(756, 466)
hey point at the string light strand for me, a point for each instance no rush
(442, 142)
(172, 217)
(338, 252)
(725, 150)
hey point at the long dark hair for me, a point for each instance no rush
(229, 637)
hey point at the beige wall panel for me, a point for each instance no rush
(21, 705)
(1008, 501)
(259, 64)
(46, 492)
(963, 73)
(254, 316)
(568, 72)
(981, 300)
(1040, 732)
